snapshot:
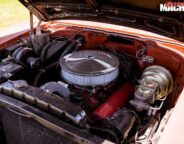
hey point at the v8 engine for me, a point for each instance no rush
(101, 90)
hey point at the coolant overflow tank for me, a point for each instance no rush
(89, 68)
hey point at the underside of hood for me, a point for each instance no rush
(141, 14)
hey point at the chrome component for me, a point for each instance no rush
(154, 131)
(43, 100)
(148, 59)
(89, 68)
(19, 83)
(152, 110)
(59, 88)
(147, 137)
(155, 85)
(161, 76)
(63, 84)
(80, 118)
(161, 126)
(147, 89)
(140, 54)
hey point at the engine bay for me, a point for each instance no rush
(115, 87)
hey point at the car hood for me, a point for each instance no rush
(142, 14)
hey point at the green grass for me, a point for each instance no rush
(12, 12)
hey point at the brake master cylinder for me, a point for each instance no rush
(155, 84)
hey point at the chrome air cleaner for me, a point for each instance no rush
(89, 68)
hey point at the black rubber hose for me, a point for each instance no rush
(44, 51)
(43, 71)
(69, 48)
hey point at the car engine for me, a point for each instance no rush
(100, 90)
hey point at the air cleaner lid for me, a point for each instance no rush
(89, 67)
